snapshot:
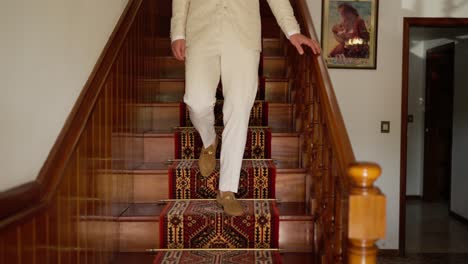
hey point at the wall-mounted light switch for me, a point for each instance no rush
(410, 118)
(385, 127)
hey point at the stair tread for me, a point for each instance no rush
(166, 133)
(287, 211)
(203, 224)
(257, 180)
(163, 103)
(171, 57)
(147, 258)
(189, 144)
(178, 79)
(219, 256)
(159, 167)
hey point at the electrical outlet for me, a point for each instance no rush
(385, 127)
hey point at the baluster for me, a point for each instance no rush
(367, 213)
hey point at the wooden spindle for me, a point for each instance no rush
(367, 213)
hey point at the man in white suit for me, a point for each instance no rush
(222, 39)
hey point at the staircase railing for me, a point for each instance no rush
(67, 215)
(349, 211)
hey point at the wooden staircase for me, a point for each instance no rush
(101, 193)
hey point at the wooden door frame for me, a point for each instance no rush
(409, 22)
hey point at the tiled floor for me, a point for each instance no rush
(432, 236)
(430, 229)
(429, 258)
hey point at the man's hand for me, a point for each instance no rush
(178, 49)
(298, 40)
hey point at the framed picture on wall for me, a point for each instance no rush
(349, 33)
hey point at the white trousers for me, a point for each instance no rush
(226, 58)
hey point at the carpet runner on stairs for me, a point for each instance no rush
(225, 257)
(193, 228)
(186, 182)
(203, 224)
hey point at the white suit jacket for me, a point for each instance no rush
(197, 20)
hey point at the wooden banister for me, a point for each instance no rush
(349, 211)
(366, 213)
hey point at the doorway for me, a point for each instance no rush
(438, 122)
(428, 114)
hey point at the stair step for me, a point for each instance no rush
(189, 144)
(172, 90)
(151, 180)
(148, 258)
(257, 180)
(162, 47)
(203, 224)
(258, 114)
(139, 227)
(163, 117)
(218, 256)
(159, 147)
(170, 67)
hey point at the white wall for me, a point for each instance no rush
(369, 96)
(48, 49)
(423, 39)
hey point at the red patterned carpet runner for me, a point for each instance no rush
(186, 182)
(216, 257)
(203, 224)
(193, 227)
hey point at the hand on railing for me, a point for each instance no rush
(297, 40)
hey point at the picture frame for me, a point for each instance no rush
(349, 33)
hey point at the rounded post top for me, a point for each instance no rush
(364, 174)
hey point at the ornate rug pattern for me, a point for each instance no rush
(186, 182)
(203, 224)
(218, 257)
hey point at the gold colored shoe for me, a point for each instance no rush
(229, 203)
(207, 160)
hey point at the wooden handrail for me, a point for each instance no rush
(334, 118)
(349, 210)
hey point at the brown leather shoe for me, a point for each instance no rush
(207, 160)
(229, 203)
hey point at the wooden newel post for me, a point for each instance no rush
(367, 213)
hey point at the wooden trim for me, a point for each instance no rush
(18, 198)
(23, 200)
(407, 23)
(458, 217)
